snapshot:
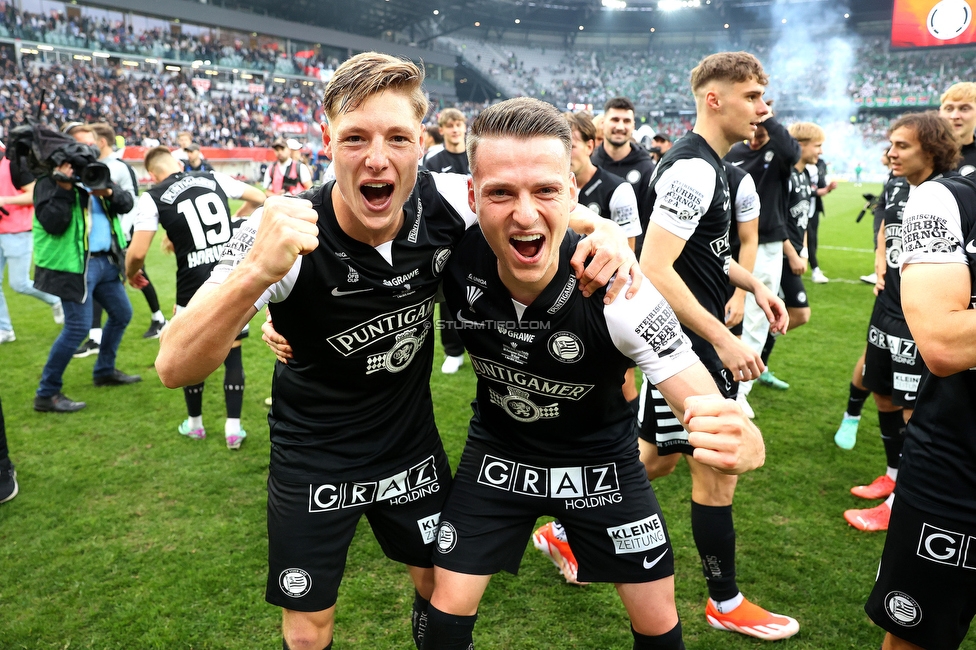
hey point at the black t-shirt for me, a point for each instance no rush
(938, 467)
(691, 200)
(192, 208)
(770, 167)
(355, 400)
(636, 168)
(800, 207)
(549, 376)
(446, 162)
(745, 203)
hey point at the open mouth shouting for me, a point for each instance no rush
(377, 194)
(528, 247)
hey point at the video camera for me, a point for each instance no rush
(871, 205)
(36, 150)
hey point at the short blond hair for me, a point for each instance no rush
(521, 118)
(449, 115)
(806, 131)
(732, 67)
(155, 156)
(368, 74)
(964, 91)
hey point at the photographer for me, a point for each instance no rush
(80, 248)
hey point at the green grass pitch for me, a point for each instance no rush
(127, 535)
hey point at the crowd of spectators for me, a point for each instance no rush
(184, 44)
(146, 108)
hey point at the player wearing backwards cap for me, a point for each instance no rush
(350, 275)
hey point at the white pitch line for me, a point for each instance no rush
(846, 249)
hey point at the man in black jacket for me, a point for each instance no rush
(79, 253)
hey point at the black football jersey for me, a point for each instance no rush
(612, 197)
(355, 400)
(894, 200)
(691, 199)
(549, 377)
(445, 162)
(800, 207)
(938, 467)
(192, 208)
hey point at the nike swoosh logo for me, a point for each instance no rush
(650, 565)
(736, 164)
(337, 293)
(971, 246)
(447, 169)
(909, 395)
(464, 320)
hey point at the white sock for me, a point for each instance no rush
(892, 473)
(848, 416)
(95, 334)
(158, 317)
(231, 426)
(726, 606)
(196, 421)
(890, 499)
(745, 387)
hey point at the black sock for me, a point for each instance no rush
(892, 435)
(667, 641)
(194, 400)
(234, 383)
(768, 348)
(714, 535)
(448, 632)
(856, 400)
(149, 291)
(418, 622)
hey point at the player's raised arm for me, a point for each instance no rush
(197, 340)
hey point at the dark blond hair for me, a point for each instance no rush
(964, 91)
(732, 67)
(104, 130)
(582, 123)
(368, 74)
(521, 118)
(449, 115)
(806, 131)
(934, 135)
(154, 156)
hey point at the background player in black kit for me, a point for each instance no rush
(925, 593)
(350, 275)
(552, 433)
(451, 159)
(923, 148)
(958, 105)
(686, 255)
(192, 209)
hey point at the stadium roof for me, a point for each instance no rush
(426, 19)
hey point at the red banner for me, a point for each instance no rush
(256, 154)
(292, 128)
(203, 85)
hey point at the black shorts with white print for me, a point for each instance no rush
(926, 587)
(892, 365)
(310, 527)
(792, 290)
(612, 519)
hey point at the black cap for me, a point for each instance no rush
(193, 146)
(661, 137)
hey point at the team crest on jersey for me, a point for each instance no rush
(893, 244)
(595, 207)
(518, 405)
(564, 295)
(353, 275)
(398, 357)
(472, 294)
(566, 347)
(633, 177)
(903, 609)
(446, 537)
(440, 260)
(295, 582)
(769, 156)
